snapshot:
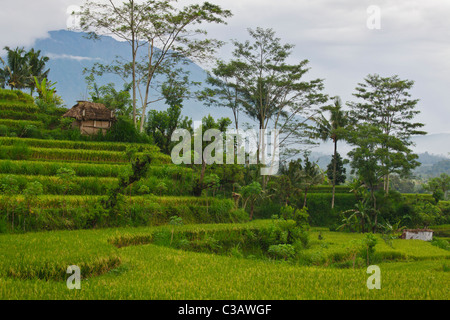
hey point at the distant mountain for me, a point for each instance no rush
(433, 170)
(70, 53)
(433, 145)
(430, 159)
(437, 144)
(431, 165)
(321, 159)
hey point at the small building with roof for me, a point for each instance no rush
(91, 117)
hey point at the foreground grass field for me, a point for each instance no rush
(126, 263)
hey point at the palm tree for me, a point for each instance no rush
(17, 69)
(36, 66)
(290, 181)
(21, 68)
(3, 74)
(334, 129)
(251, 193)
(310, 175)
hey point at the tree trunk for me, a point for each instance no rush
(374, 227)
(198, 188)
(133, 68)
(306, 195)
(202, 173)
(363, 228)
(387, 183)
(334, 172)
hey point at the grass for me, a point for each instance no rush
(50, 168)
(53, 185)
(18, 106)
(49, 201)
(20, 123)
(441, 231)
(84, 155)
(19, 258)
(86, 145)
(148, 271)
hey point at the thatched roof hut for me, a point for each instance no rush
(91, 117)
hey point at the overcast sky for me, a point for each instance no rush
(413, 41)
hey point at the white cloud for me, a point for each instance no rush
(70, 57)
(23, 21)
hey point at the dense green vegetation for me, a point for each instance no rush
(141, 227)
(95, 166)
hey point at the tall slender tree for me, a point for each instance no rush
(311, 175)
(125, 22)
(380, 133)
(336, 170)
(3, 74)
(162, 124)
(167, 34)
(387, 104)
(224, 88)
(260, 82)
(275, 92)
(333, 128)
(365, 160)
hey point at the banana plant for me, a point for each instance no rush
(392, 231)
(46, 90)
(358, 216)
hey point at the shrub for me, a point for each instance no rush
(319, 207)
(425, 214)
(282, 251)
(239, 216)
(368, 247)
(441, 243)
(76, 212)
(123, 130)
(143, 189)
(236, 252)
(302, 237)
(30, 131)
(438, 195)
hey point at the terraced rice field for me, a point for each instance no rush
(33, 266)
